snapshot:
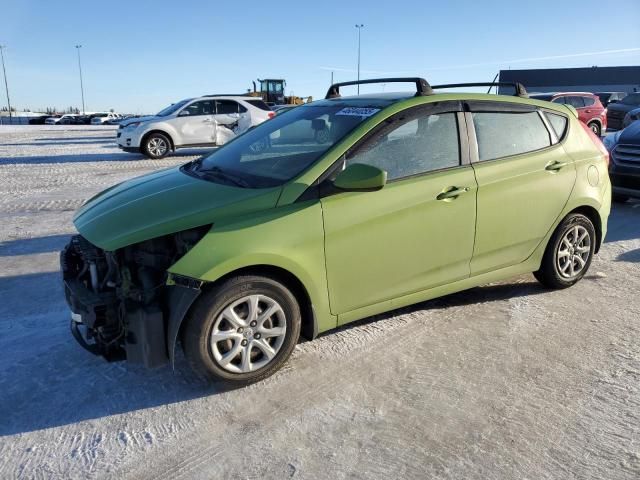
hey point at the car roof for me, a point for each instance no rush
(230, 97)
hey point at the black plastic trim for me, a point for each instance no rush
(422, 86)
(519, 88)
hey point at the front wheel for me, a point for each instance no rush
(156, 146)
(242, 331)
(569, 252)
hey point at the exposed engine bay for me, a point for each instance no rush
(120, 301)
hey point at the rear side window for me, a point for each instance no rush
(259, 103)
(560, 100)
(577, 102)
(226, 107)
(503, 134)
(412, 146)
(558, 123)
(589, 101)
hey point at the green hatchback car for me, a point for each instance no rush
(405, 197)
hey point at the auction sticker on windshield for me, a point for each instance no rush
(358, 111)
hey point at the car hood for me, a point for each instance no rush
(631, 134)
(126, 122)
(161, 203)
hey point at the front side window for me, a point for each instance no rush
(412, 146)
(203, 107)
(277, 151)
(502, 134)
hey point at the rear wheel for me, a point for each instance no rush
(156, 145)
(595, 128)
(242, 331)
(569, 252)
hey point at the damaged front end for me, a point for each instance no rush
(121, 305)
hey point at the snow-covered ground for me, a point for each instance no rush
(504, 381)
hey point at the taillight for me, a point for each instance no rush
(596, 140)
(271, 114)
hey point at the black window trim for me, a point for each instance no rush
(506, 107)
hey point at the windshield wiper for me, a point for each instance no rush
(216, 171)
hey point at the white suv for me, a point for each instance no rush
(102, 118)
(195, 122)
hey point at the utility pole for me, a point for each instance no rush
(78, 47)
(359, 27)
(331, 78)
(6, 85)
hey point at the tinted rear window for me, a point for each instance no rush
(260, 104)
(503, 134)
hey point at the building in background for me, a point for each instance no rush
(590, 79)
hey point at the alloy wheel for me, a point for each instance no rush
(157, 147)
(573, 252)
(248, 334)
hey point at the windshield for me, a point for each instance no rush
(281, 148)
(172, 108)
(631, 99)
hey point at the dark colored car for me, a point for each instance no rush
(38, 120)
(617, 111)
(590, 110)
(610, 97)
(624, 167)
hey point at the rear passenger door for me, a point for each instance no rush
(524, 180)
(228, 112)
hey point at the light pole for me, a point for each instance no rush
(6, 85)
(359, 27)
(78, 47)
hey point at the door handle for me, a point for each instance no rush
(555, 166)
(451, 193)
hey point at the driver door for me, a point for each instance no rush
(195, 123)
(409, 236)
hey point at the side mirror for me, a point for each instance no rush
(360, 177)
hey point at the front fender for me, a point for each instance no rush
(289, 237)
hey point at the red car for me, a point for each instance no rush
(588, 105)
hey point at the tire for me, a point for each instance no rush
(619, 198)
(595, 128)
(224, 312)
(560, 266)
(156, 145)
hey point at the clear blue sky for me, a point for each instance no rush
(139, 56)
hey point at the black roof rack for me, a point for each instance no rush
(520, 90)
(422, 86)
